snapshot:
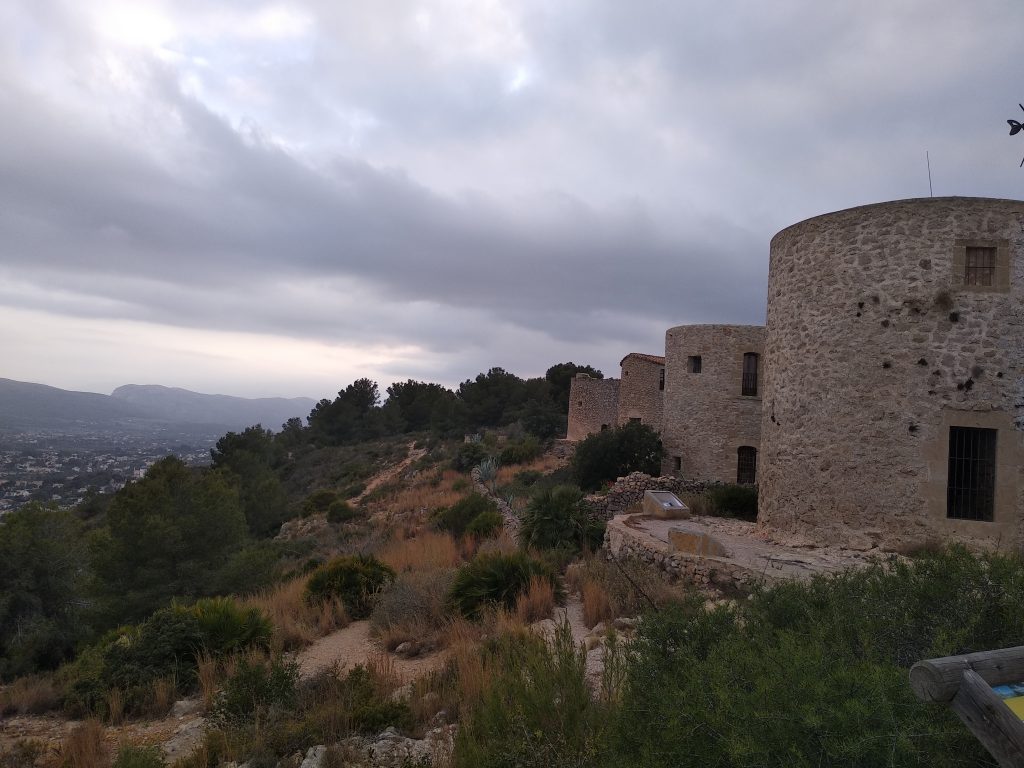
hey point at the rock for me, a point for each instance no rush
(185, 739)
(186, 707)
(623, 623)
(402, 693)
(408, 649)
(590, 642)
(314, 757)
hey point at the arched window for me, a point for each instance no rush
(746, 465)
(750, 373)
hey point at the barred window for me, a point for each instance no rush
(971, 481)
(746, 465)
(694, 364)
(980, 266)
(661, 379)
(750, 373)
(677, 463)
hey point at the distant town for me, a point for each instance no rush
(64, 469)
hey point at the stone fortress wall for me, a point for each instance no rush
(876, 346)
(640, 389)
(707, 418)
(593, 405)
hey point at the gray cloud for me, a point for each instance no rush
(457, 176)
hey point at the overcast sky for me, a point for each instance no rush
(276, 199)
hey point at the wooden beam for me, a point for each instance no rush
(999, 730)
(939, 679)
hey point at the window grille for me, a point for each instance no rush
(750, 373)
(746, 465)
(634, 419)
(980, 266)
(695, 364)
(661, 379)
(971, 482)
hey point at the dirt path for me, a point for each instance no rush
(389, 474)
(353, 645)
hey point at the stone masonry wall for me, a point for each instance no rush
(706, 418)
(628, 492)
(875, 347)
(640, 393)
(592, 403)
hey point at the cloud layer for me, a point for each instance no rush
(430, 189)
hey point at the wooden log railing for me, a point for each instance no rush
(965, 683)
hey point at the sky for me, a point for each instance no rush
(278, 198)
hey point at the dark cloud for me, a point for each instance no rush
(439, 176)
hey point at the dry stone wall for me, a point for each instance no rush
(706, 416)
(629, 492)
(593, 404)
(875, 348)
(640, 393)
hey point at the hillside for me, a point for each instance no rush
(24, 405)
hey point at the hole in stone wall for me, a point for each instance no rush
(954, 317)
(922, 362)
(944, 301)
(885, 323)
(912, 428)
(977, 371)
(887, 364)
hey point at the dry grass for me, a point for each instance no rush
(208, 674)
(596, 605)
(698, 503)
(162, 694)
(537, 602)
(629, 586)
(427, 550)
(32, 695)
(115, 706)
(543, 464)
(423, 494)
(296, 623)
(85, 747)
(384, 674)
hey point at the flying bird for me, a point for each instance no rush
(1015, 128)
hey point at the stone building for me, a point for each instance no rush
(593, 405)
(712, 401)
(641, 387)
(894, 375)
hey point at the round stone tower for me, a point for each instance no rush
(894, 375)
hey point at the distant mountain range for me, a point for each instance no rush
(27, 406)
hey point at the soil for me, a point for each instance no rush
(353, 645)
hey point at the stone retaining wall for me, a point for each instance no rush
(628, 491)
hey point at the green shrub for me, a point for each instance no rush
(163, 646)
(318, 501)
(341, 511)
(130, 756)
(468, 456)
(556, 518)
(226, 626)
(494, 578)
(815, 673)
(486, 524)
(354, 579)
(456, 518)
(537, 711)
(460, 484)
(527, 477)
(257, 686)
(612, 453)
(734, 501)
(521, 451)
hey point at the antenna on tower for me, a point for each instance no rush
(1015, 128)
(929, 161)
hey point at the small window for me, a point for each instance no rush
(750, 373)
(695, 364)
(661, 379)
(971, 480)
(677, 463)
(634, 419)
(980, 266)
(604, 427)
(746, 465)
(579, 403)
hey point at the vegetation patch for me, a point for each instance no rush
(496, 579)
(356, 580)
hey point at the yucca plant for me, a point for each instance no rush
(555, 518)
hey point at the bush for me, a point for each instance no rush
(318, 501)
(527, 477)
(610, 454)
(257, 686)
(521, 451)
(494, 578)
(556, 518)
(456, 518)
(354, 579)
(341, 512)
(536, 711)
(129, 756)
(226, 626)
(468, 456)
(830, 655)
(486, 524)
(734, 501)
(412, 608)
